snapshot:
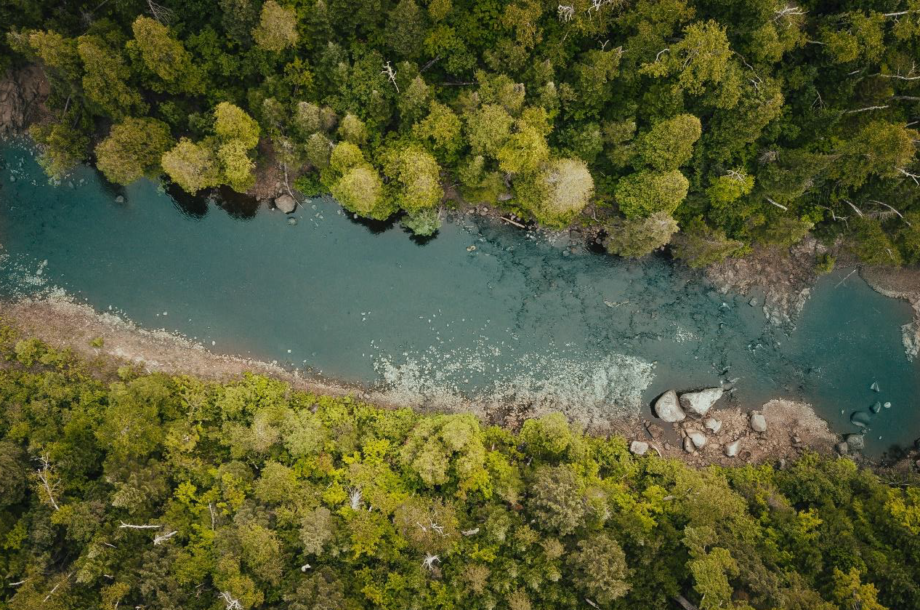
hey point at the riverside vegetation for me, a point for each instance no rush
(156, 491)
(707, 125)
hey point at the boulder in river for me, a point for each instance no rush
(875, 387)
(758, 422)
(731, 449)
(638, 447)
(856, 442)
(861, 419)
(876, 407)
(285, 203)
(700, 402)
(667, 407)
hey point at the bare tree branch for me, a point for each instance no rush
(44, 475)
(130, 526)
(779, 205)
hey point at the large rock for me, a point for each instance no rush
(856, 442)
(638, 447)
(286, 203)
(758, 422)
(700, 402)
(667, 407)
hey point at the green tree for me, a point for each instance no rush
(192, 166)
(277, 29)
(105, 79)
(644, 193)
(133, 149)
(699, 245)
(415, 176)
(558, 192)
(487, 129)
(166, 57)
(556, 500)
(636, 237)
(599, 568)
(669, 144)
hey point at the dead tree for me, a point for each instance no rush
(44, 475)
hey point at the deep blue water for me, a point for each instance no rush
(520, 317)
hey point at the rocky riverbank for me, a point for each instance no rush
(707, 434)
(899, 284)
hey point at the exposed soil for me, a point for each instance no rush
(791, 427)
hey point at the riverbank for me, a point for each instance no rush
(108, 341)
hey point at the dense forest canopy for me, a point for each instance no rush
(708, 124)
(157, 492)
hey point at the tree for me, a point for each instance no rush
(878, 148)
(166, 57)
(239, 18)
(599, 568)
(277, 29)
(440, 131)
(851, 594)
(699, 245)
(523, 151)
(406, 27)
(669, 144)
(557, 193)
(105, 79)
(232, 123)
(192, 166)
(699, 60)
(415, 176)
(644, 193)
(556, 499)
(360, 190)
(316, 530)
(487, 129)
(353, 130)
(63, 146)
(636, 237)
(133, 149)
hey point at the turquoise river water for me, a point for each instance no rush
(521, 317)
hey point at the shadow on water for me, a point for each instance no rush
(113, 190)
(236, 205)
(375, 227)
(191, 206)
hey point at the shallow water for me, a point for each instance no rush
(520, 317)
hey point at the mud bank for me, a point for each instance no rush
(792, 428)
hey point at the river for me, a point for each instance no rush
(482, 312)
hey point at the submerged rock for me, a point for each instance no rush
(667, 407)
(861, 419)
(876, 407)
(285, 203)
(887, 405)
(120, 199)
(700, 402)
(638, 447)
(731, 449)
(758, 422)
(874, 387)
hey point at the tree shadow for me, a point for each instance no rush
(192, 206)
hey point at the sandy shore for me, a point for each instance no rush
(63, 323)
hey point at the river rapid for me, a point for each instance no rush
(483, 312)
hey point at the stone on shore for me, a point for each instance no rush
(713, 425)
(285, 203)
(758, 422)
(667, 407)
(638, 447)
(689, 447)
(856, 442)
(842, 447)
(698, 439)
(700, 402)
(731, 449)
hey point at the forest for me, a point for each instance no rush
(707, 126)
(140, 490)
